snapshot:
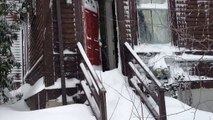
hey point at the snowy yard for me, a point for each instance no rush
(122, 104)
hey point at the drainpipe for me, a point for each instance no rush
(61, 49)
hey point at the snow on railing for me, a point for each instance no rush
(157, 95)
(143, 65)
(32, 68)
(93, 87)
(89, 65)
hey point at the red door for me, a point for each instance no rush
(92, 32)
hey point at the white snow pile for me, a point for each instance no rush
(69, 112)
(122, 104)
(164, 48)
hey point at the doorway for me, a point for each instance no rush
(108, 35)
(92, 31)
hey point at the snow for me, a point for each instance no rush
(187, 57)
(158, 61)
(89, 65)
(165, 48)
(32, 90)
(121, 101)
(50, 4)
(69, 99)
(69, 83)
(27, 90)
(69, 112)
(146, 69)
(177, 110)
(120, 98)
(122, 104)
(167, 59)
(153, 6)
(91, 5)
(66, 51)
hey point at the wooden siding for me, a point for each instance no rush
(39, 44)
(48, 46)
(191, 27)
(42, 47)
(191, 23)
(72, 32)
(44, 40)
(37, 101)
(127, 27)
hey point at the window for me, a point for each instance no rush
(153, 21)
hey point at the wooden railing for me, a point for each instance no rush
(93, 87)
(157, 96)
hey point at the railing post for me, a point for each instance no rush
(127, 69)
(162, 106)
(103, 107)
(61, 49)
(79, 60)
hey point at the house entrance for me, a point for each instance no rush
(92, 31)
(108, 34)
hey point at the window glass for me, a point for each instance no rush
(154, 25)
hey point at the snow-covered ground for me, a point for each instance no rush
(122, 104)
(69, 112)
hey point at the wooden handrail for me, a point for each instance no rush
(90, 82)
(33, 67)
(143, 65)
(89, 65)
(157, 96)
(138, 75)
(93, 87)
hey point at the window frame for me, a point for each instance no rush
(153, 7)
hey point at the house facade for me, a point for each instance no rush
(52, 29)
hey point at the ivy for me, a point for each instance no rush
(7, 36)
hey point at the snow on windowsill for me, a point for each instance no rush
(187, 57)
(164, 48)
(153, 6)
(169, 52)
(197, 78)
